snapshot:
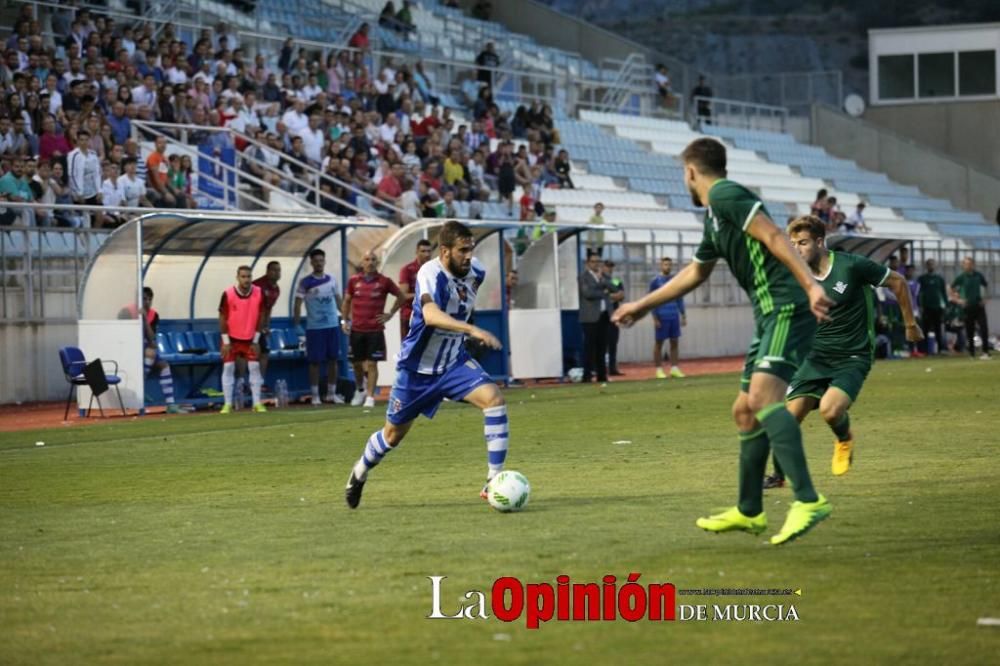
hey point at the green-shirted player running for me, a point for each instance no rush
(786, 304)
(844, 347)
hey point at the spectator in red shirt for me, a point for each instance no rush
(408, 284)
(527, 205)
(427, 126)
(268, 283)
(360, 39)
(364, 307)
(390, 188)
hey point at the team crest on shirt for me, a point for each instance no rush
(840, 287)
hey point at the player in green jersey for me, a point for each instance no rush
(967, 290)
(844, 347)
(786, 304)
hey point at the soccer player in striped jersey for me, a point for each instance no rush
(433, 364)
(786, 304)
(831, 377)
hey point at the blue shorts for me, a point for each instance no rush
(670, 328)
(414, 394)
(322, 344)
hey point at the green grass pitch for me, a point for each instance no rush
(209, 539)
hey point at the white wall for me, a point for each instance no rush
(29, 361)
(711, 331)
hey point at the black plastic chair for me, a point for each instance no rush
(74, 367)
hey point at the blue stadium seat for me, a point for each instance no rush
(165, 347)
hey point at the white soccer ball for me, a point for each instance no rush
(508, 491)
(575, 375)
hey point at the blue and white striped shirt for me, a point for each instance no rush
(430, 351)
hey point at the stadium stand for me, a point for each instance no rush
(626, 161)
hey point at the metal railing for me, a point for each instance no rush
(311, 183)
(734, 113)
(42, 268)
(796, 91)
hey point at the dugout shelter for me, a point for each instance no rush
(189, 259)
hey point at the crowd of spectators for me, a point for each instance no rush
(826, 208)
(340, 127)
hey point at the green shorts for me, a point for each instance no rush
(780, 344)
(819, 373)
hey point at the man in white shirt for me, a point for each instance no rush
(313, 139)
(177, 75)
(55, 97)
(311, 89)
(856, 221)
(133, 188)
(112, 194)
(387, 131)
(145, 94)
(294, 119)
(85, 175)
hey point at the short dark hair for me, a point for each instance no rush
(146, 291)
(273, 263)
(708, 156)
(317, 253)
(242, 268)
(809, 223)
(423, 242)
(452, 232)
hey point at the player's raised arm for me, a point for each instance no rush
(775, 240)
(896, 283)
(687, 280)
(435, 317)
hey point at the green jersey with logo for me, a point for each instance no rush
(851, 329)
(768, 283)
(970, 287)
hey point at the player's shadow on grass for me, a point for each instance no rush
(541, 504)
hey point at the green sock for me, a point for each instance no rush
(754, 448)
(842, 428)
(777, 467)
(786, 439)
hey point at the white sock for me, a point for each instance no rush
(315, 390)
(167, 385)
(228, 381)
(255, 380)
(497, 434)
(331, 390)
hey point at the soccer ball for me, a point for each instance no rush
(508, 491)
(575, 375)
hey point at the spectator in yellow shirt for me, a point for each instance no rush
(453, 169)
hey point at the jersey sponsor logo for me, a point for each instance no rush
(840, 287)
